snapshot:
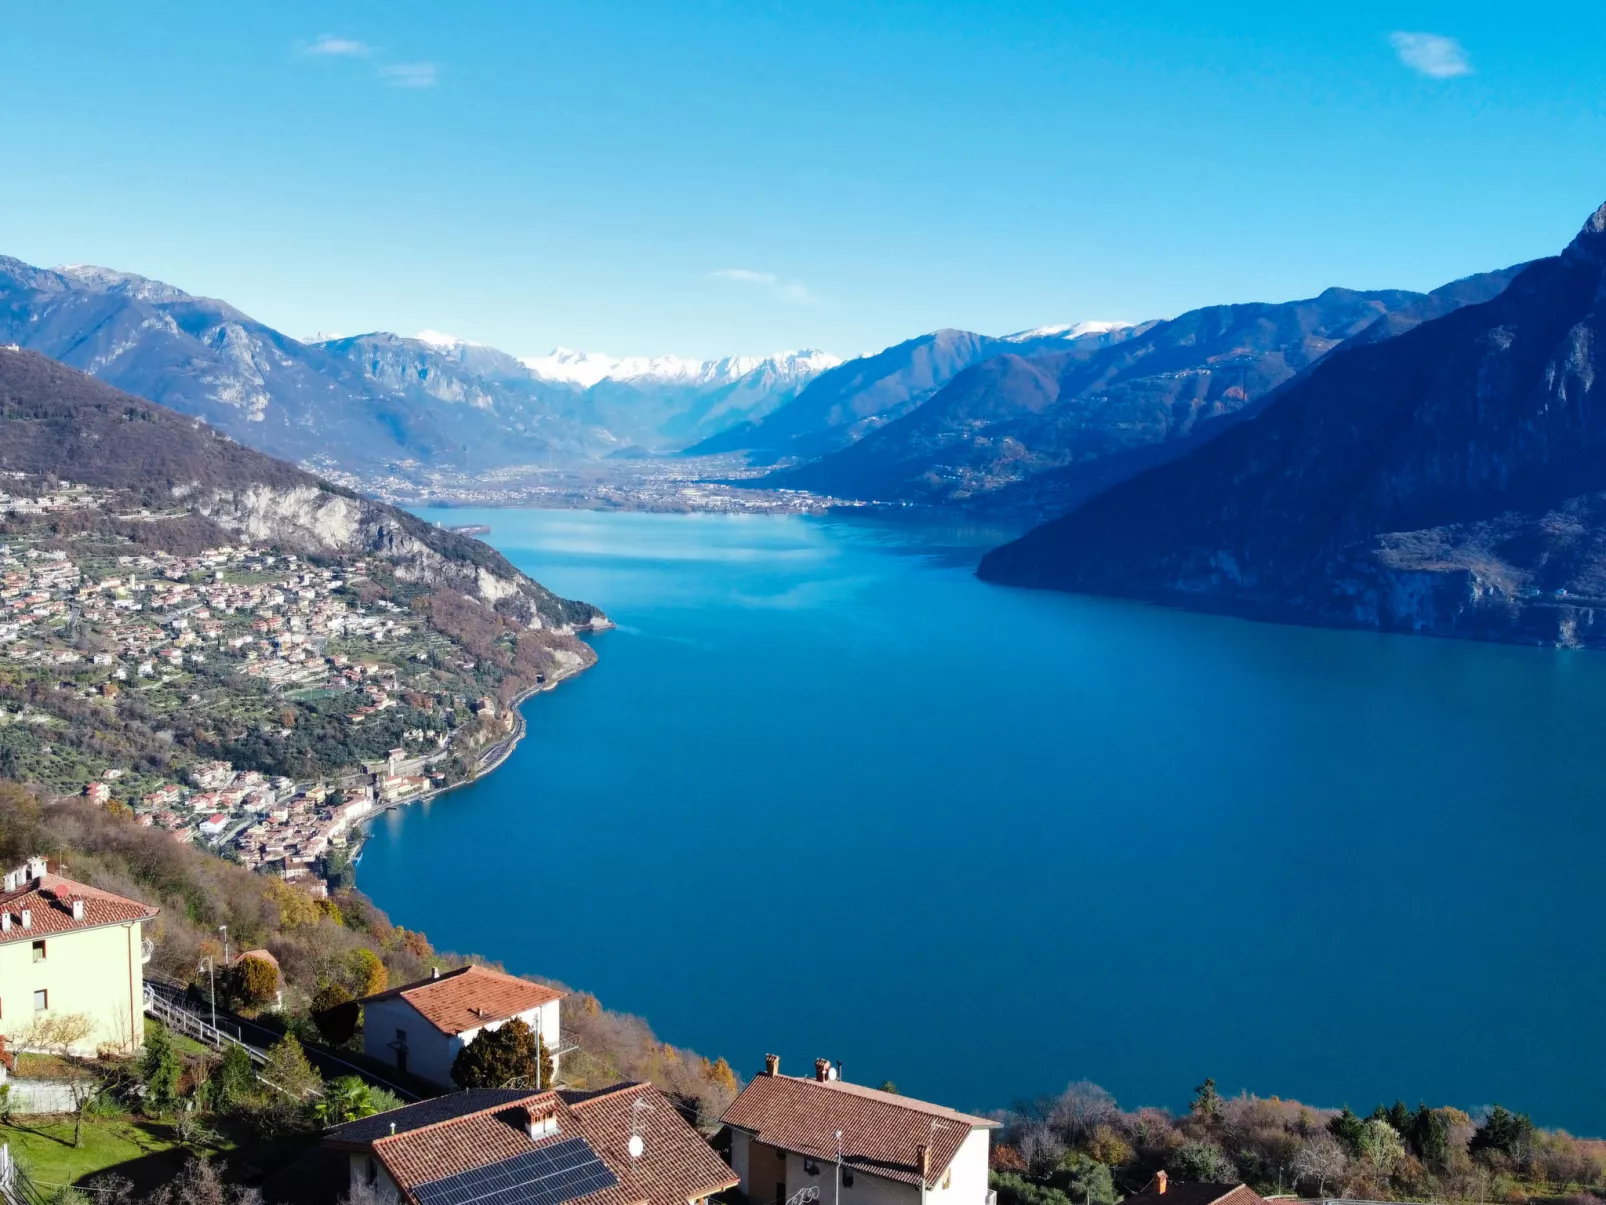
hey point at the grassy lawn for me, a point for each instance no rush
(142, 1150)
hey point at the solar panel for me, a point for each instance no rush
(550, 1175)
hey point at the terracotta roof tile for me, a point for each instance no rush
(469, 997)
(49, 902)
(881, 1132)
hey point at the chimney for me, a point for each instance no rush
(434, 972)
(772, 1064)
(27, 919)
(1159, 1183)
(822, 1070)
(37, 867)
(923, 1161)
(5, 922)
(78, 910)
(539, 1123)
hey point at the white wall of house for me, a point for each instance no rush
(95, 973)
(368, 1176)
(964, 1183)
(431, 1053)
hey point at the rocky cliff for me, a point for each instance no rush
(1448, 480)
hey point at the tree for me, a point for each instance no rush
(1084, 1180)
(345, 1099)
(1346, 1127)
(1081, 1109)
(889, 1087)
(512, 1052)
(335, 1013)
(1206, 1101)
(1204, 1162)
(233, 1079)
(1505, 1133)
(1041, 1147)
(1380, 1145)
(287, 1069)
(367, 972)
(1321, 1158)
(1427, 1133)
(1014, 1189)
(160, 1068)
(255, 981)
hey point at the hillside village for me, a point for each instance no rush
(91, 628)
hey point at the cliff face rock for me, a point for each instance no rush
(57, 421)
(1040, 434)
(1448, 480)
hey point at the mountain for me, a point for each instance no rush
(377, 401)
(668, 402)
(186, 482)
(1039, 433)
(844, 403)
(1449, 480)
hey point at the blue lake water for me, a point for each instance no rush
(828, 795)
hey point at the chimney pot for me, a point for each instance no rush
(27, 918)
(772, 1064)
(78, 910)
(822, 1070)
(1159, 1182)
(5, 922)
(434, 972)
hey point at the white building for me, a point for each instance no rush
(854, 1145)
(419, 1028)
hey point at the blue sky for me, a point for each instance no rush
(706, 177)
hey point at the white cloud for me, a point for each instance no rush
(330, 46)
(408, 75)
(791, 291)
(1431, 54)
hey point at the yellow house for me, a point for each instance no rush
(71, 957)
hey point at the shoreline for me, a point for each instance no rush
(499, 752)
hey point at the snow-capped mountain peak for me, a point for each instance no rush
(1066, 330)
(587, 369)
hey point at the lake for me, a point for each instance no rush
(826, 794)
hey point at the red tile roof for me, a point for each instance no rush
(48, 900)
(470, 997)
(1179, 1192)
(675, 1167)
(881, 1132)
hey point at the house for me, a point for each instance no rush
(1162, 1190)
(854, 1145)
(72, 955)
(624, 1145)
(419, 1028)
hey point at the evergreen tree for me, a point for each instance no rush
(160, 1067)
(512, 1052)
(1349, 1130)
(233, 1080)
(1206, 1101)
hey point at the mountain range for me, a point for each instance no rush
(380, 400)
(1036, 428)
(1449, 478)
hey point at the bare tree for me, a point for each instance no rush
(1041, 1147)
(1081, 1109)
(1321, 1158)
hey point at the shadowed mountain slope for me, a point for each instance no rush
(1449, 480)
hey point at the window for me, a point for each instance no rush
(38, 951)
(373, 1172)
(847, 1178)
(41, 1000)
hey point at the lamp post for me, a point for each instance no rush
(837, 1198)
(208, 966)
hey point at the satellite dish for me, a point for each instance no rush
(636, 1146)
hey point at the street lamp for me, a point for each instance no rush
(211, 976)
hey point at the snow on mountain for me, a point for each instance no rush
(108, 280)
(588, 369)
(1066, 330)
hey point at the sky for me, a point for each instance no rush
(713, 177)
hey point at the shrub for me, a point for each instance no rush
(255, 982)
